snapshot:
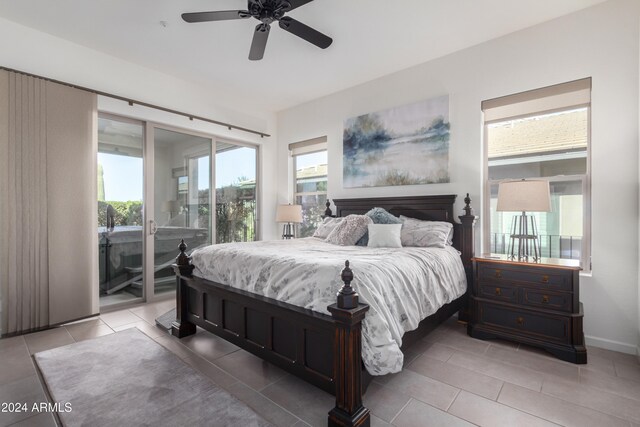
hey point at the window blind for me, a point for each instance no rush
(548, 99)
(308, 146)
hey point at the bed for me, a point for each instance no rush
(321, 346)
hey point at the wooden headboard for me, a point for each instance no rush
(431, 208)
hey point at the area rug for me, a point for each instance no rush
(128, 379)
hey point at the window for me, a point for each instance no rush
(542, 134)
(310, 182)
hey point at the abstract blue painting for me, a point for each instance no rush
(405, 145)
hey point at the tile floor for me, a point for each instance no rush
(449, 379)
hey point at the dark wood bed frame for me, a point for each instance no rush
(321, 349)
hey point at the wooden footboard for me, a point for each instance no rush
(321, 349)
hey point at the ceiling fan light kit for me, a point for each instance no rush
(267, 12)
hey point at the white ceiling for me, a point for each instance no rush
(372, 38)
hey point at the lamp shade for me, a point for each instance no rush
(289, 213)
(170, 206)
(524, 196)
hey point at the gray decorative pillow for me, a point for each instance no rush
(350, 230)
(378, 216)
(327, 227)
(385, 235)
(428, 234)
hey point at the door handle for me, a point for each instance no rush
(153, 227)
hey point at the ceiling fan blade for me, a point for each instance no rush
(305, 32)
(259, 42)
(221, 15)
(297, 3)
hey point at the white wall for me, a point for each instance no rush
(601, 42)
(31, 51)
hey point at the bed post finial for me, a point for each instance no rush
(347, 297)
(183, 261)
(182, 258)
(467, 208)
(347, 356)
(328, 212)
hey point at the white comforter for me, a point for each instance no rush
(402, 286)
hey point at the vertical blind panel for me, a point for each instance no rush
(48, 255)
(24, 260)
(71, 202)
(4, 191)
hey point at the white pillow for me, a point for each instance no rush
(384, 235)
(327, 227)
(349, 230)
(434, 234)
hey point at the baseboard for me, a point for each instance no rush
(611, 345)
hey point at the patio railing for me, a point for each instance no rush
(550, 245)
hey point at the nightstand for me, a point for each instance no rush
(533, 303)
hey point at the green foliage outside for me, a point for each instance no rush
(236, 213)
(126, 213)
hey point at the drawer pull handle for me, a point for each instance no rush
(498, 291)
(520, 321)
(545, 299)
(545, 279)
(498, 274)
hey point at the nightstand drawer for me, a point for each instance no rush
(522, 322)
(547, 278)
(498, 292)
(547, 299)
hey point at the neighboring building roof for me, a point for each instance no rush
(316, 171)
(312, 172)
(550, 133)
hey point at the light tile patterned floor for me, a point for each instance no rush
(449, 379)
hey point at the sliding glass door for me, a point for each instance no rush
(157, 186)
(181, 200)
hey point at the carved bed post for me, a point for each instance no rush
(181, 327)
(468, 248)
(347, 356)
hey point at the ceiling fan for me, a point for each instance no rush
(266, 11)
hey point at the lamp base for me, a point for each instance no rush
(525, 233)
(288, 231)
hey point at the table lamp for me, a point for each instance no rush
(289, 214)
(524, 196)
